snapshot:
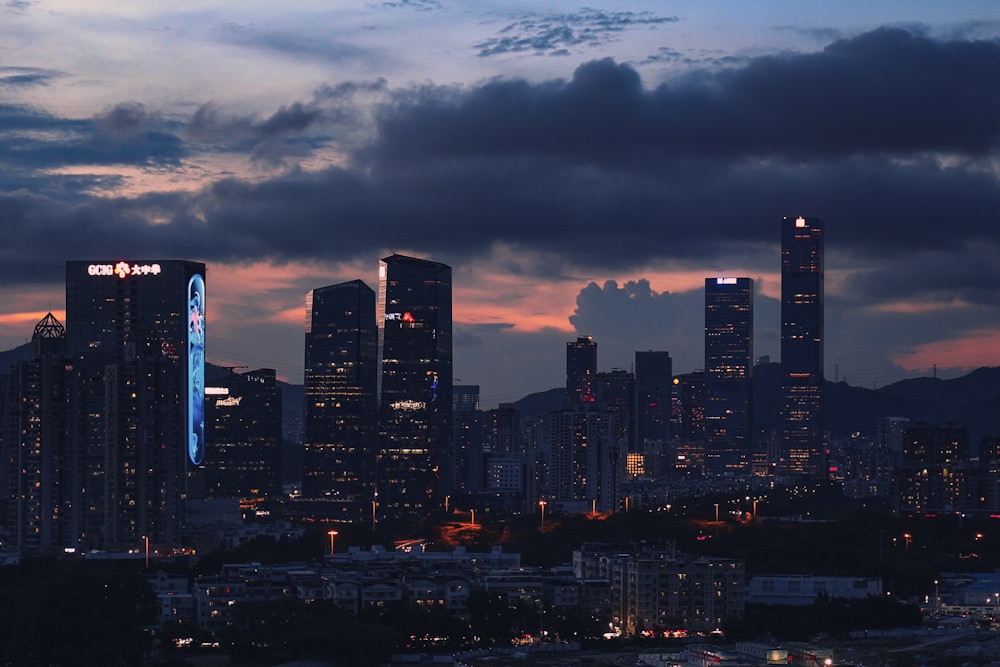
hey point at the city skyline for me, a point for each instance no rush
(582, 170)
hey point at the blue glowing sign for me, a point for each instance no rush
(196, 369)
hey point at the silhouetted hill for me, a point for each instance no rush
(19, 353)
(981, 384)
(541, 402)
(972, 399)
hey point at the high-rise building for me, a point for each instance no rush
(37, 462)
(414, 320)
(654, 374)
(467, 471)
(614, 392)
(935, 473)
(135, 333)
(341, 366)
(581, 366)
(802, 438)
(688, 423)
(728, 367)
(585, 464)
(243, 435)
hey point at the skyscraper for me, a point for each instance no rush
(467, 457)
(340, 397)
(243, 435)
(581, 366)
(802, 347)
(414, 320)
(39, 492)
(654, 373)
(135, 333)
(728, 366)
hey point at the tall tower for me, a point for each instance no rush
(414, 320)
(728, 366)
(581, 366)
(340, 397)
(135, 332)
(802, 347)
(654, 373)
(40, 491)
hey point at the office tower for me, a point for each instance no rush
(581, 365)
(135, 333)
(728, 367)
(688, 423)
(341, 366)
(415, 383)
(614, 392)
(38, 492)
(654, 374)
(802, 452)
(243, 436)
(467, 473)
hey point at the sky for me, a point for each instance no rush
(582, 167)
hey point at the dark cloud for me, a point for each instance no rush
(597, 171)
(26, 76)
(555, 34)
(884, 92)
(321, 45)
(125, 134)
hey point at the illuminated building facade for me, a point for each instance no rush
(728, 367)
(135, 335)
(414, 319)
(688, 423)
(341, 365)
(585, 464)
(581, 366)
(243, 433)
(935, 474)
(802, 441)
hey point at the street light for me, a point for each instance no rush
(936, 599)
(473, 517)
(542, 503)
(332, 535)
(146, 538)
(446, 499)
(906, 538)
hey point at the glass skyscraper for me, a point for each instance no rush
(802, 439)
(728, 367)
(340, 396)
(414, 319)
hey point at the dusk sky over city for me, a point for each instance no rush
(582, 167)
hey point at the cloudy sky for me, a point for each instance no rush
(582, 167)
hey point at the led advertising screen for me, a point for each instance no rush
(196, 369)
